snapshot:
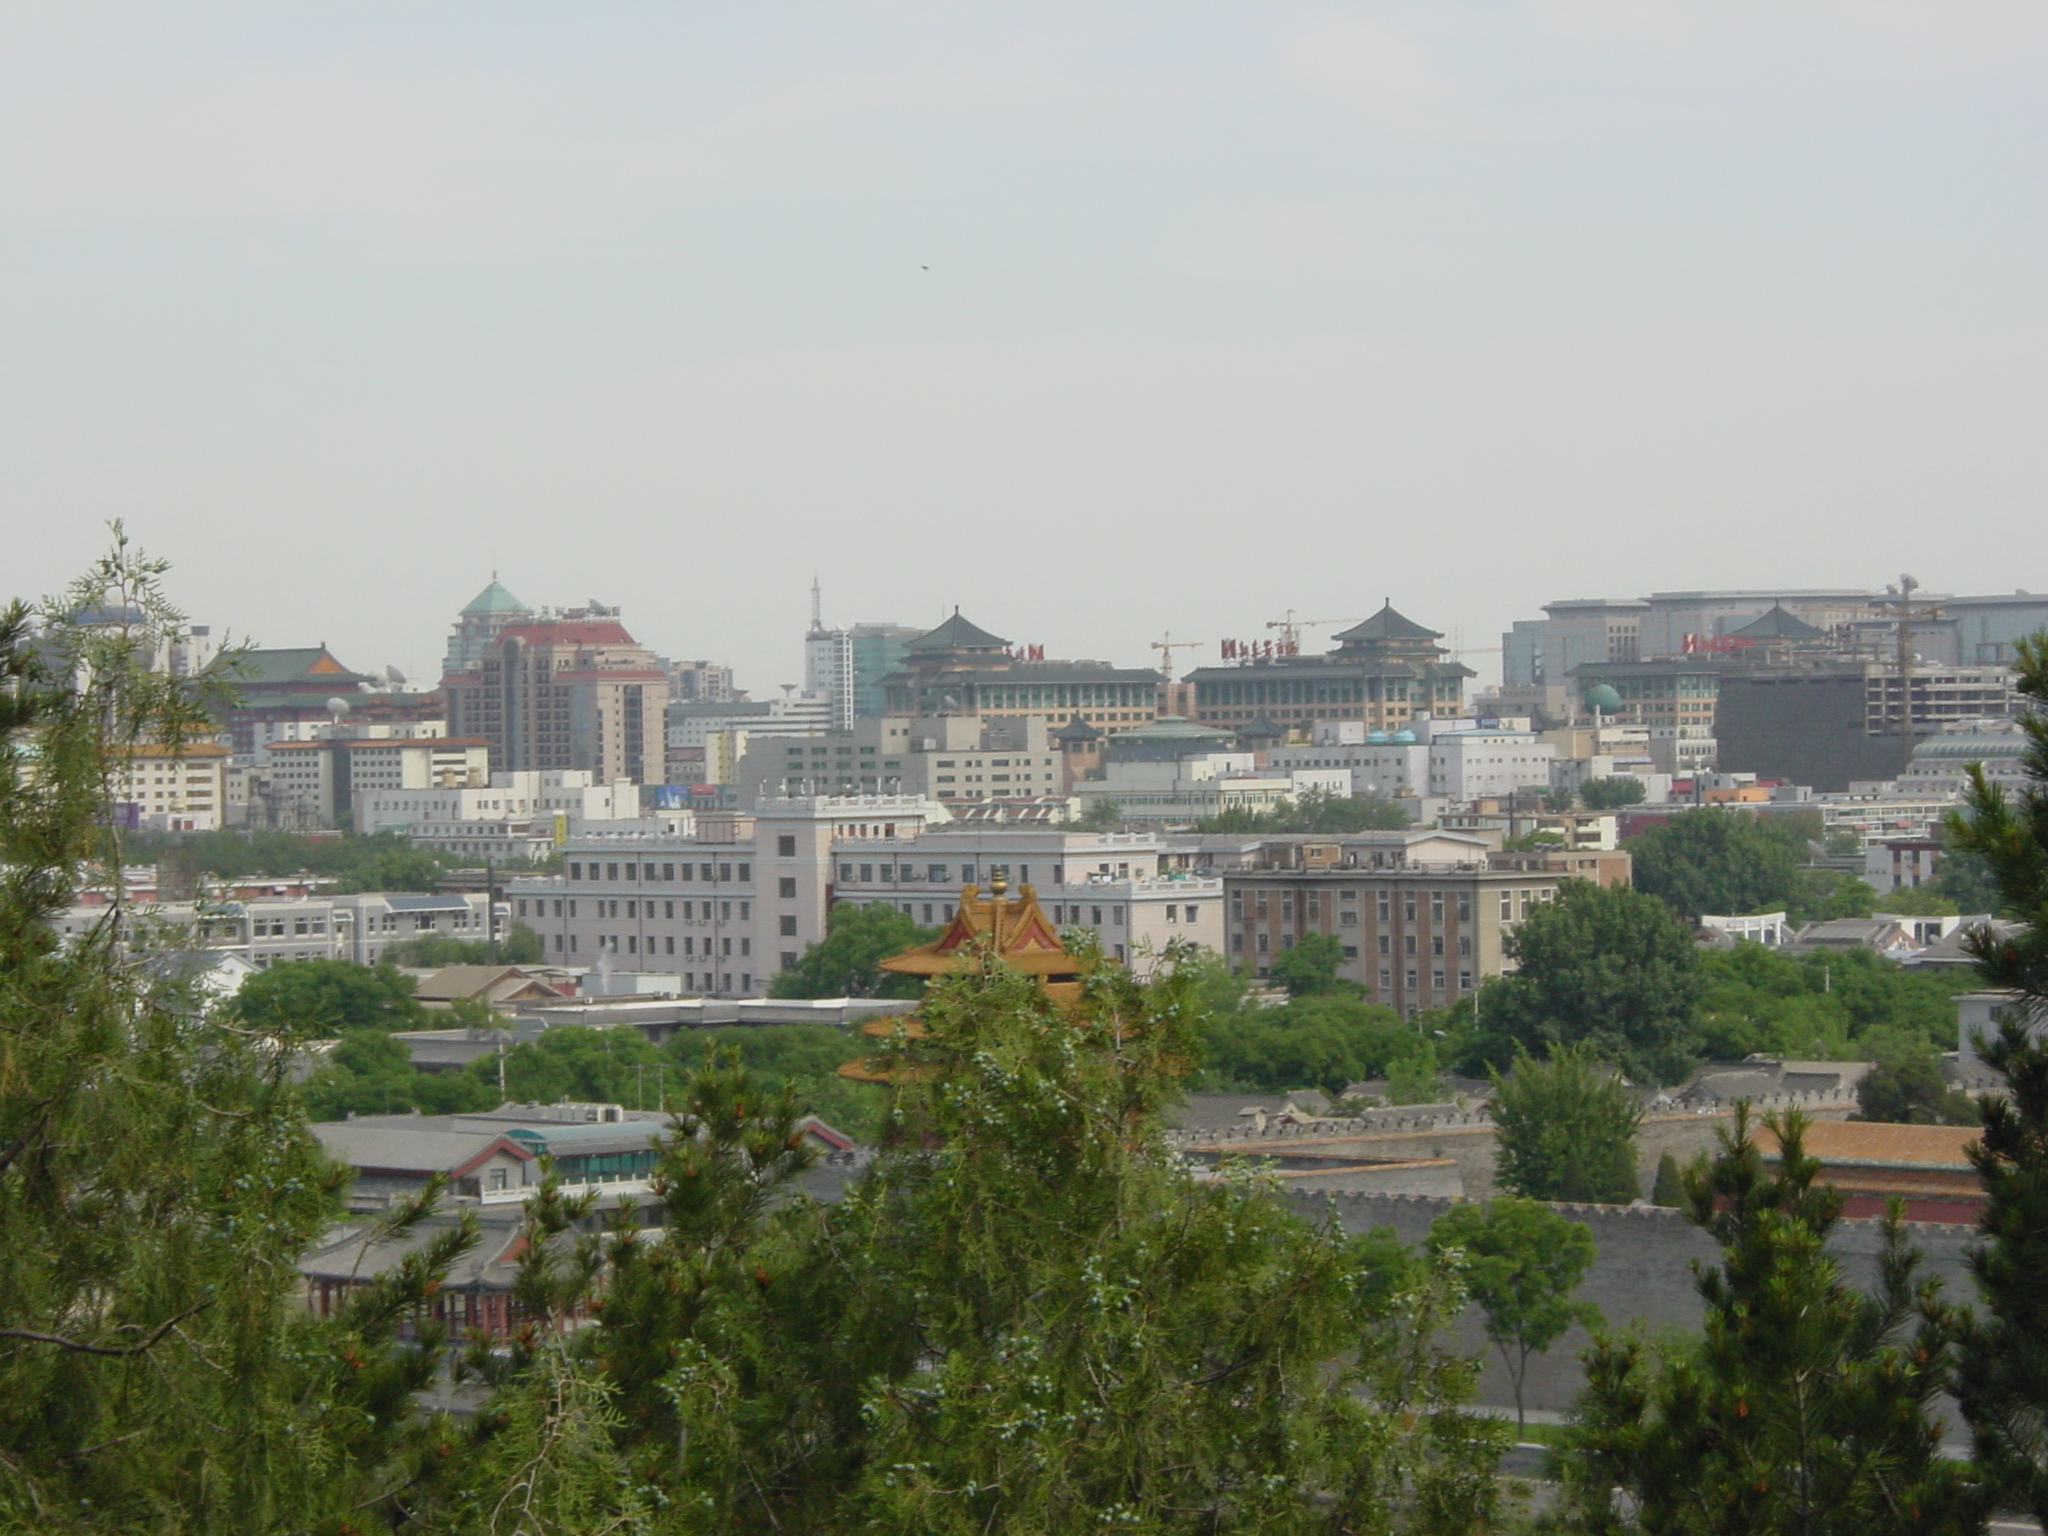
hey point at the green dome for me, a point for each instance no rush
(1601, 696)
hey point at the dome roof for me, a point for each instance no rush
(1601, 696)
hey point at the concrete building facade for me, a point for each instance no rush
(575, 691)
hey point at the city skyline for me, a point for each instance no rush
(344, 311)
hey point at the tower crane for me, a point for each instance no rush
(1166, 645)
(1290, 626)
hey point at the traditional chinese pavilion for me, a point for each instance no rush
(1012, 930)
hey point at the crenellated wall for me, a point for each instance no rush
(1641, 1276)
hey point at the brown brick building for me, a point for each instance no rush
(1415, 936)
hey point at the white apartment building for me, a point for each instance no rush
(954, 760)
(743, 898)
(1454, 759)
(264, 931)
(1109, 883)
(267, 733)
(529, 794)
(174, 789)
(1206, 784)
(316, 783)
(725, 908)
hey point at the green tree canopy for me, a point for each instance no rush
(1324, 1040)
(1030, 1318)
(1606, 967)
(1718, 861)
(518, 945)
(1805, 1406)
(2003, 1377)
(380, 861)
(1820, 1006)
(328, 997)
(1613, 793)
(158, 1369)
(1313, 810)
(847, 961)
(1567, 1130)
(1521, 1261)
(1310, 964)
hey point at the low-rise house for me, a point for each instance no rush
(499, 986)
(1881, 935)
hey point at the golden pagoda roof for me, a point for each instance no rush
(1018, 932)
(1015, 932)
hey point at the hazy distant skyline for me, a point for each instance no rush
(1096, 320)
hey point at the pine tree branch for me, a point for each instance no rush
(142, 1346)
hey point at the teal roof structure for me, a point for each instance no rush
(1778, 625)
(495, 599)
(957, 634)
(1387, 625)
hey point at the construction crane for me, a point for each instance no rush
(1904, 591)
(1290, 626)
(1459, 650)
(1166, 645)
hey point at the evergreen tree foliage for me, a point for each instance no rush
(2003, 1380)
(1567, 1130)
(1669, 1190)
(157, 1371)
(1908, 1089)
(1805, 1406)
(1029, 1317)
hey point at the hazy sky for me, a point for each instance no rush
(1096, 319)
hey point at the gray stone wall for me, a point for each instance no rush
(1642, 1275)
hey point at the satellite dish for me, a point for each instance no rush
(337, 705)
(395, 677)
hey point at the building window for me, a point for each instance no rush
(786, 888)
(789, 960)
(789, 926)
(785, 847)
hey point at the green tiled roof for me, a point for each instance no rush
(297, 664)
(495, 599)
(957, 634)
(1388, 625)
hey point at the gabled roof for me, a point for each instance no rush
(1027, 940)
(1387, 625)
(1261, 727)
(957, 634)
(1778, 625)
(1077, 729)
(495, 599)
(494, 983)
(313, 664)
